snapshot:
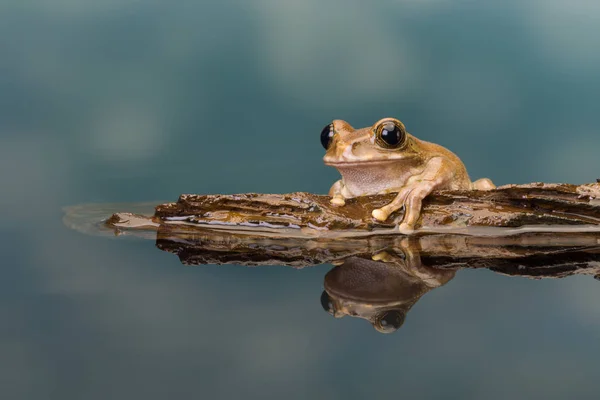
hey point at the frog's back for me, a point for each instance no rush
(461, 176)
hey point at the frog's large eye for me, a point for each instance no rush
(390, 135)
(389, 322)
(327, 136)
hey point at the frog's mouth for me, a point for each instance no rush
(347, 164)
(396, 158)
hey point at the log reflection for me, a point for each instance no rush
(379, 279)
(378, 276)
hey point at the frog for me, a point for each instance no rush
(385, 158)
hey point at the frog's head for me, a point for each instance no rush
(384, 141)
(384, 318)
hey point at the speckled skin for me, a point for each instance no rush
(413, 170)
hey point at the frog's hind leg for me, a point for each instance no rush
(483, 184)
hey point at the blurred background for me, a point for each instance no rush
(131, 101)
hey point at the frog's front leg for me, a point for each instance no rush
(337, 199)
(412, 194)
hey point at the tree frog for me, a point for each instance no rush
(384, 158)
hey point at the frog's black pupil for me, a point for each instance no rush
(391, 320)
(392, 135)
(326, 136)
(326, 302)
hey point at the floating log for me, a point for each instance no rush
(508, 206)
(536, 229)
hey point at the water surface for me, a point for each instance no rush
(113, 101)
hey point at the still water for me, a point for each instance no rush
(126, 101)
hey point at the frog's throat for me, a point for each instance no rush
(373, 178)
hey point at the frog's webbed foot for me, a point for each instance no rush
(383, 256)
(391, 256)
(406, 255)
(483, 184)
(406, 228)
(337, 200)
(381, 214)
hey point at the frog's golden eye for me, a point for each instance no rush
(390, 135)
(389, 322)
(327, 136)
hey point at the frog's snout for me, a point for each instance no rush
(343, 152)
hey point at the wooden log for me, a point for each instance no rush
(309, 214)
(459, 229)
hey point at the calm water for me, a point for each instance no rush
(128, 101)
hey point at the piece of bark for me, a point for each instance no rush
(309, 214)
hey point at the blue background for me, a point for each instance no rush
(130, 101)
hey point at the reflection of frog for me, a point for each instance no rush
(381, 290)
(384, 158)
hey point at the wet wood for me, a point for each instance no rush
(303, 229)
(506, 206)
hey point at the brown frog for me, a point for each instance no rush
(384, 158)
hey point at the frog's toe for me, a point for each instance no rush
(483, 184)
(379, 214)
(337, 201)
(406, 229)
(381, 256)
